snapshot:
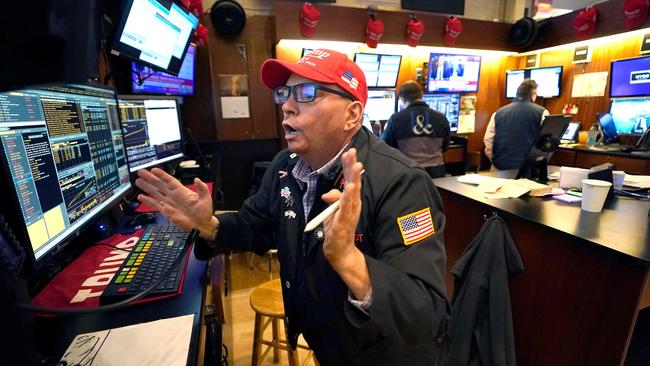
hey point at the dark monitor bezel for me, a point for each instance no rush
(304, 51)
(559, 81)
(123, 50)
(399, 67)
(148, 92)
(478, 77)
(536, 157)
(18, 222)
(611, 77)
(574, 137)
(180, 123)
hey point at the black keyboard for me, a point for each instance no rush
(148, 261)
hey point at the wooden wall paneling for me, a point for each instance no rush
(339, 23)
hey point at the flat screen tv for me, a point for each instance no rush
(145, 80)
(451, 73)
(154, 32)
(380, 70)
(630, 115)
(447, 104)
(381, 104)
(548, 79)
(630, 77)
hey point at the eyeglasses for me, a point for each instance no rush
(304, 92)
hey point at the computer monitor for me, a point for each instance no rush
(380, 70)
(631, 115)
(381, 104)
(154, 32)
(305, 51)
(535, 163)
(451, 73)
(630, 77)
(548, 79)
(571, 133)
(447, 104)
(607, 127)
(152, 130)
(145, 80)
(64, 162)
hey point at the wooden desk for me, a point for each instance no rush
(583, 157)
(577, 300)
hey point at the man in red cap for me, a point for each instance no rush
(366, 286)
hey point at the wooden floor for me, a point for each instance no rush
(241, 317)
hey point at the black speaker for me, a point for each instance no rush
(527, 31)
(228, 17)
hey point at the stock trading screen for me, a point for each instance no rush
(65, 154)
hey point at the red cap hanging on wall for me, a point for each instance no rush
(195, 6)
(414, 31)
(374, 29)
(585, 22)
(453, 29)
(201, 35)
(636, 12)
(309, 17)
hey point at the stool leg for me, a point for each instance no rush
(276, 338)
(257, 337)
(293, 356)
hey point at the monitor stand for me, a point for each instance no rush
(536, 170)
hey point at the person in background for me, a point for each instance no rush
(418, 131)
(514, 127)
(365, 287)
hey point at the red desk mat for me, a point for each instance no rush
(80, 284)
(146, 208)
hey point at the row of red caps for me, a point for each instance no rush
(309, 17)
(634, 11)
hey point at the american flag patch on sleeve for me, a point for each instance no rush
(416, 226)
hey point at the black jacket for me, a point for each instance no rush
(480, 331)
(408, 289)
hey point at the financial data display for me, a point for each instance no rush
(65, 156)
(630, 115)
(548, 79)
(156, 32)
(152, 130)
(380, 70)
(447, 104)
(381, 104)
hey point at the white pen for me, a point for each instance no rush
(324, 215)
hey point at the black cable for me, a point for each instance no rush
(118, 305)
(109, 245)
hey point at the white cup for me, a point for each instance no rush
(594, 193)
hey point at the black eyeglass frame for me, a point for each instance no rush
(317, 87)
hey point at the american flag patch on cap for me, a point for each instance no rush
(416, 226)
(348, 77)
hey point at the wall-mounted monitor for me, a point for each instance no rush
(154, 32)
(447, 104)
(152, 130)
(145, 80)
(380, 70)
(381, 104)
(607, 126)
(548, 79)
(630, 115)
(451, 73)
(305, 51)
(630, 77)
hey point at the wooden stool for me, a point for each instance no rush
(266, 300)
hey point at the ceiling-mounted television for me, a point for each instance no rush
(154, 32)
(453, 73)
(630, 77)
(380, 70)
(145, 80)
(548, 79)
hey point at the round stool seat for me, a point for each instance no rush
(266, 299)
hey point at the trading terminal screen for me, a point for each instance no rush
(152, 130)
(63, 151)
(447, 104)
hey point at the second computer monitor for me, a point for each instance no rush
(381, 104)
(152, 130)
(447, 104)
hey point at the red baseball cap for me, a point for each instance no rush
(585, 22)
(321, 65)
(309, 17)
(414, 31)
(453, 28)
(636, 12)
(374, 32)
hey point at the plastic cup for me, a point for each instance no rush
(582, 137)
(594, 193)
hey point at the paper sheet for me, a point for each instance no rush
(591, 84)
(234, 107)
(160, 342)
